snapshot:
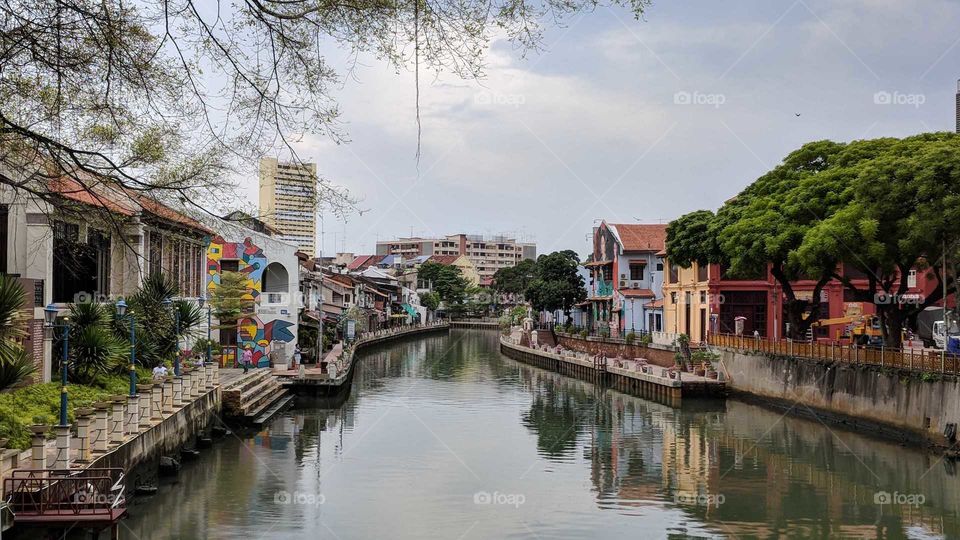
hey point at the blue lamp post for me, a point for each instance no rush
(122, 313)
(201, 300)
(50, 321)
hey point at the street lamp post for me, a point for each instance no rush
(122, 313)
(50, 321)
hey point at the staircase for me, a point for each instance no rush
(255, 397)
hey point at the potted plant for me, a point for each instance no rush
(630, 338)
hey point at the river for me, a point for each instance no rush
(444, 437)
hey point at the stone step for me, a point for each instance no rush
(258, 405)
(275, 400)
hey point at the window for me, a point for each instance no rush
(636, 271)
(81, 270)
(674, 274)
(659, 267)
(701, 272)
(703, 297)
(275, 278)
(229, 265)
(154, 252)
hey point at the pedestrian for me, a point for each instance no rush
(247, 358)
(296, 356)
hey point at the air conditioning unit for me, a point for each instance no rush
(623, 283)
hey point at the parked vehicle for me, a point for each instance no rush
(863, 330)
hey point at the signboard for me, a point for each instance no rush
(351, 329)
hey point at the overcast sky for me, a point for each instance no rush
(632, 121)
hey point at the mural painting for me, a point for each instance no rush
(251, 261)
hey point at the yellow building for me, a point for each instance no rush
(467, 269)
(687, 302)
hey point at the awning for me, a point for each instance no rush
(409, 309)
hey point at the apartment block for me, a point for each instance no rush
(488, 254)
(288, 201)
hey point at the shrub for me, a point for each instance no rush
(584, 334)
(645, 340)
(630, 338)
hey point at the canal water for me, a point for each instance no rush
(443, 437)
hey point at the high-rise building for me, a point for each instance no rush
(488, 254)
(288, 201)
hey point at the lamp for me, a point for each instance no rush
(50, 321)
(122, 313)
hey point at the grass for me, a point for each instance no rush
(40, 404)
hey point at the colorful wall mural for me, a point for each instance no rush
(251, 331)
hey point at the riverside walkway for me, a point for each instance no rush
(662, 383)
(339, 367)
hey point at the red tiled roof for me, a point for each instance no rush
(364, 261)
(444, 259)
(73, 190)
(120, 200)
(637, 293)
(642, 236)
(655, 304)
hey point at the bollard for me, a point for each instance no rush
(156, 403)
(216, 375)
(168, 396)
(208, 371)
(100, 427)
(84, 418)
(38, 450)
(116, 419)
(62, 459)
(196, 386)
(133, 414)
(177, 392)
(187, 386)
(144, 391)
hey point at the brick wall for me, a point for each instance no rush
(656, 356)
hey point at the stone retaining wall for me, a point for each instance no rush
(881, 401)
(654, 354)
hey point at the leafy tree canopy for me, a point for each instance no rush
(444, 279)
(557, 284)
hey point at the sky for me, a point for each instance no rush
(630, 120)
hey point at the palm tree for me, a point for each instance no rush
(15, 364)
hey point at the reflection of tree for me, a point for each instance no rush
(557, 414)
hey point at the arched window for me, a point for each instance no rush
(275, 278)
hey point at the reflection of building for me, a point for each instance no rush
(288, 201)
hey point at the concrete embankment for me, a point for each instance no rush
(902, 405)
(648, 381)
(654, 354)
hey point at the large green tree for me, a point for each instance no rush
(556, 283)
(902, 214)
(444, 279)
(880, 206)
(515, 279)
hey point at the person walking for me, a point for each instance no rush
(247, 358)
(297, 355)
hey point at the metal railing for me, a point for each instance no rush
(49, 494)
(910, 359)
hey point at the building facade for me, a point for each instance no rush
(272, 272)
(626, 277)
(488, 254)
(288, 201)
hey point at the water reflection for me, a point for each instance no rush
(439, 432)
